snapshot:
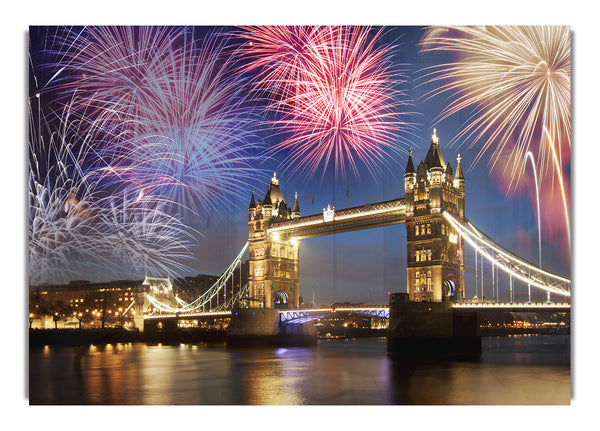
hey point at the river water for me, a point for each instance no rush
(511, 371)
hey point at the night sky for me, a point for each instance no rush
(361, 266)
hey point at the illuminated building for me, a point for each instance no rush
(435, 252)
(96, 304)
(273, 267)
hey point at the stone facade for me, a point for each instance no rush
(435, 251)
(273, 265)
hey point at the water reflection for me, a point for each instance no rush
(532, 370)
(336, 372)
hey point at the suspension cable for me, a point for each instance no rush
(508, 262)
(206, 297)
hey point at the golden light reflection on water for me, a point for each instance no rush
(274, 380)
(524, 370)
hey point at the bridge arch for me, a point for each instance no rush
(280, 299)
(449, 289)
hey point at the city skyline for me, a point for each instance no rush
(357, 266)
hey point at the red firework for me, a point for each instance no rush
(336, 93)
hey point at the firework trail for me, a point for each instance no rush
(280, 55)
(62, 208)
(335, 93)
(144, 238)
(77, 225)
(518, 81)
(184, 121)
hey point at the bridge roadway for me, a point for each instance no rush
(300, 315)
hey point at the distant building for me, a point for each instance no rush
(94, 304)
(119, 302)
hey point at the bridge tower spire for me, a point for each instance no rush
(273, 267)
(435, 253)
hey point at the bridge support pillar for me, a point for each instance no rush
(261, 327)
(431, 328)
(139, 307)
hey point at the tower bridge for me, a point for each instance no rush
(435, 267)
(433, 210)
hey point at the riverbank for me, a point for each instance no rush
(98, 336)
(81, 337)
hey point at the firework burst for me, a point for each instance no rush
(145, 238)
(77, 226)
(335, 92)
(62, 209)
(185, 127)
(518, 81)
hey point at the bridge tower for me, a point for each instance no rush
(435, 252)
(273, 269)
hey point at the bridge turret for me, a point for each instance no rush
(252, 207)
(410, 180)
(434, 250)
(459, 183)
(436, 167)
(267, 204)
(296, 210)
(273, 267)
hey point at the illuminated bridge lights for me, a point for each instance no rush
(508, 262)
(190, 315)
(205, 299)
(514, 306)
(298, 316)
(368, 215)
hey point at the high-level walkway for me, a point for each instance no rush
(345, 220)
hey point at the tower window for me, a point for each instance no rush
(423, 255)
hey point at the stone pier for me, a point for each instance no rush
(261, 327)
(431, 328)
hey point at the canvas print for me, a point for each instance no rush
(299, 215)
